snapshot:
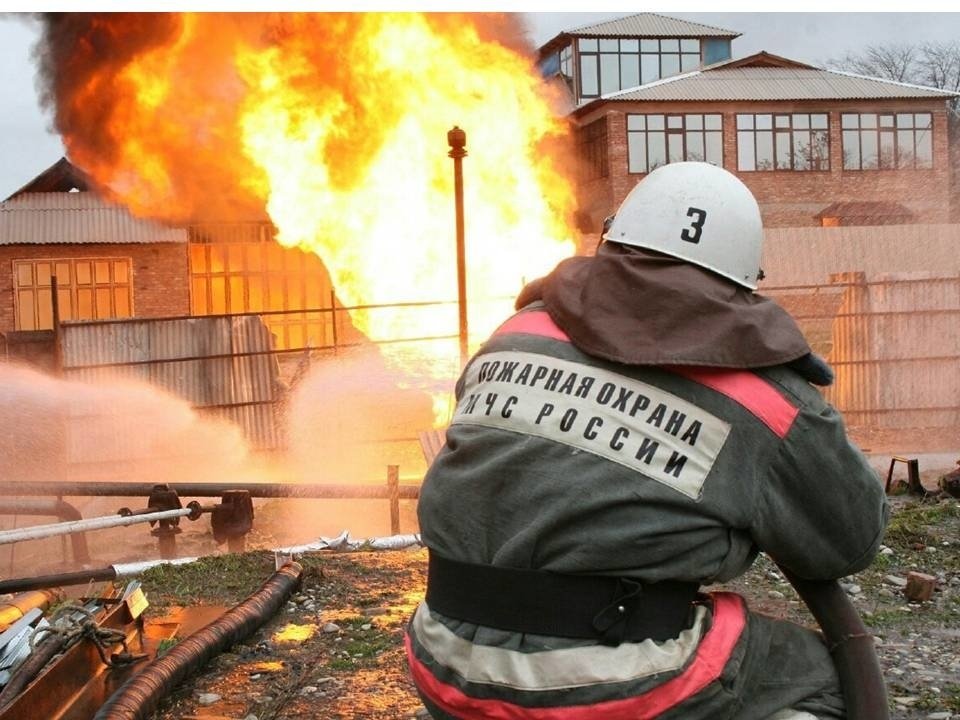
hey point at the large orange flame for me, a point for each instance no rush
(336, 124)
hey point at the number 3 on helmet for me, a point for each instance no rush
(697, 212)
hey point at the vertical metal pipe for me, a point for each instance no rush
(333, 318)
(393, 486)
(457, 139)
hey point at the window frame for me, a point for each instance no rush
(599, 53)
(893, 131)
(683, 132)
(71, 289)
(788, 131)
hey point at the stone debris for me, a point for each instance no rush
(920, 586)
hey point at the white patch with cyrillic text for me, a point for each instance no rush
(621, 419)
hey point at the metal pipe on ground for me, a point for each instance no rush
(851, 646)
(140, 695)
(46, 507)
(193, 489)
(37, 532)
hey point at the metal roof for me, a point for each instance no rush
(775, 83)
(651, 25)
(76, 218)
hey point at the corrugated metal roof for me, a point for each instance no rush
(775, 83)
(76, 218)
(651, 25)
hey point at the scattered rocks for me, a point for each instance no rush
(208, 698)
(331, 627)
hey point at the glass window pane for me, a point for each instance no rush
(104, 306)
(669, 65)
(610, 46)
(102, 271)
(62, 271)
(820, 121)
(121, 298)
(255, 293)
(782, 121)
(886, 120)
(745, 154)
(905, 148)
(764, 122)
(888, 159)
(764, 150)
(924, 149)
(922, 120)
(674, 121)
(689, 62)
(694, 122)
(649, 68)
(652, 46)
(869, 150)
(120, 271)
(636, 122)
(905, 120)
(44, 309)
(851, 150)
(236, 301)
(690, 45)
(637, 152)
(26, 310)
(868, 120)
(672, 45)
(609, 74)
(198, 258)
(65, 302)
(588, 75)
(629, 71)
(820, 150)
(24, 274)
(84, 276)
(655, 122)
(744, 122)
(801, 149)
(84, 304)
(588, 44)
(675, 143)
(713, 122)
(695, 148)
(801, 121)
(198, 298)
(657, 150)
(43, 273)
(783, 151)
(218, 296)
(629, 46)
(849, 120)
(714, 148)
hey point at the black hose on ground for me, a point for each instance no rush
(851, 645)
(139, 696)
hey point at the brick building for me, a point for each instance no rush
(816, 147)
(109, 264)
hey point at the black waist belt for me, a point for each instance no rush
(609, 609)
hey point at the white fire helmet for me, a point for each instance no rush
(697, 212)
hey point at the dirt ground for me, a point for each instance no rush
(336, 652)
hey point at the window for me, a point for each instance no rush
(796, 141)
(237, 268)
(592, 141)
(610, 65)
(654, 140)
(887, 141)
(87, 289)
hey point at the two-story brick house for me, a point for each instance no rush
(817, 147)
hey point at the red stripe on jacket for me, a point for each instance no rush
(741, 386)
(729, 619)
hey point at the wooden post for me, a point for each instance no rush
(393, 486)
(57, 337)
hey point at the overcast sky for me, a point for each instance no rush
(27, 147)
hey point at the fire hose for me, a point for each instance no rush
(850, 644)
(139, 696)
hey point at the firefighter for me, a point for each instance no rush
(641, 428)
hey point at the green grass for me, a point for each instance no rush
(922, 523)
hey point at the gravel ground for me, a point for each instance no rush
(336, 650)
